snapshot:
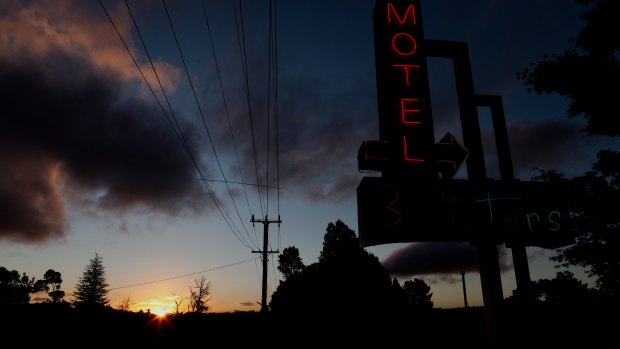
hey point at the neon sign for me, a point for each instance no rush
(530, 213)
(416, 198)
(405, 120)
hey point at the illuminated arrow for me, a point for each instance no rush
(449, 155)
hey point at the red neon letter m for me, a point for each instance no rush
(392, 11)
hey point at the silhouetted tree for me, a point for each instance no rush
(289, 262)
(92, 288)
(339, 242)
(399, 293)
(51, 284)
(200, 295)
(125, 304)
(16, 288)
(418, 294)
(595, 223)
(178, 301)
(588, 74)
(588, 71)
(598, 224)
(564, 289)
(346, 280)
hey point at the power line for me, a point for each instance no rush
(177, 132)
(202, 116)
(178, 127)
(184, 275)
(244, 65)
(272, 111)
(232, 134)
(241, 183)
(269, 55)
(140, 70)
(273, 88)
(275, 35)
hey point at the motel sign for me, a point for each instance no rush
(416, 198)
(407, 141)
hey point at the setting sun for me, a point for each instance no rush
(161, 312)
(159, 307)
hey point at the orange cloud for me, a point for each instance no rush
(41, 27)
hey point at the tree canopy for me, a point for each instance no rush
(339, 243)
(53, 278)
(290, 263)
(17, 289)
(418, 294)
(588, 74)
(596, 224)
(200, 295)
(92, 287)
(346, 280)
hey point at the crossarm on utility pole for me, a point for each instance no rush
(265, 252)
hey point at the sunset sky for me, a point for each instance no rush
(93, 163)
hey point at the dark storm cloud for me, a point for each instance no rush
(555, 144)
(61, 116)
(326, 99)
(434, 258)
(320, 130)
(321, 137)
(31, 208)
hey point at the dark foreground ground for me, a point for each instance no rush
(61, 326)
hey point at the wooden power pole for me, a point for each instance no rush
(265, 252)
(464, 289)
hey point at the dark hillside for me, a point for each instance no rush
(59, 325)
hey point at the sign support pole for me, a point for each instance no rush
(488, 257)
(519, 253)
(411, 202)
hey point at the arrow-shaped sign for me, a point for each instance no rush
(446, 156)
(449, 155)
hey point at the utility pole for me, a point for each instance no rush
(265, 252)
(464, 289)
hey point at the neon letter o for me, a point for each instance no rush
(406, 41)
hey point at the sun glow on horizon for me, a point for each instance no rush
(161, 312)
(159, 307)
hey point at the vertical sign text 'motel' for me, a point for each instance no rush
(405, 120)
